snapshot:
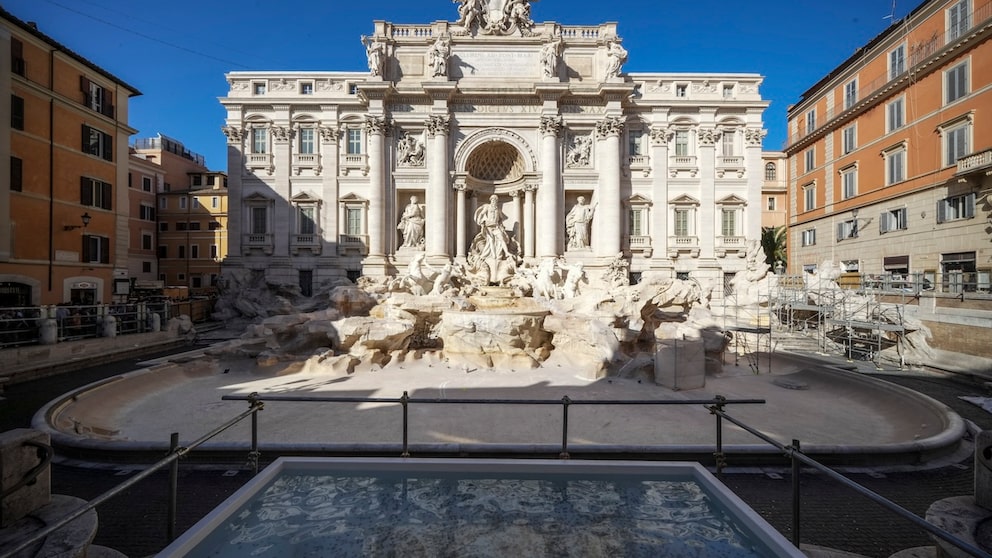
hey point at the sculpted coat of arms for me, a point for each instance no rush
(494, 17)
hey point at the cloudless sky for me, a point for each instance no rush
(176, 52)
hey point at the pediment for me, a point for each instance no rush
(638, 199)
(732, 199)
(352, 197)
(684, 199)
(305, 197)
(257, 197)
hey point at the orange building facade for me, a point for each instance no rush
(65, 207)
(890, 157)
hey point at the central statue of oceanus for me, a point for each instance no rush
(494, 17)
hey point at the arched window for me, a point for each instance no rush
(771, 171)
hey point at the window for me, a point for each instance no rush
(195, 201)
(683, 222)
(771, 171)
(16, 175)
(163, 251)
(194, 225)
(306, 88)
(259, 140)
(809, 197)
(771, 203)
(727, 143)
(181, 276)
(728, 222)
(681, 90)
(211, 180)
(810, 159)
(847, 229)
(259, 220)
(163, 227)
(197, 180)
(956, 83)
(146, 213)
(182, 202)
(146, 184)
(96, 249)
(146, 267)
(163, 203)
(96, 97)
(213, 252)
(353, 221)
(307, 219)
(850, 139)
(215, 202)
(897, 61)
(958, 20)
(182, 226)
(146, 242)
(354, 141)
(636, 219)
(307, 141)
(182, 252)
(306, 282)
(95, 193)
(957, 141)
(808, 237)
(895, 115)
(893, 220)
(258, 88)
(196, 281)
(956, 207)
(681, 143)
(16, 112)
(98, 143)
(810, 121)
(728, 91)
(353, 89)
(213, 226)
(194, 251)
(849, 182)
(17, 56)
(895, 165)
(635, 143)
(850, 93)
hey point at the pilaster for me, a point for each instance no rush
(550, 196)
(660, 136)
(437, 188)
(607, 220)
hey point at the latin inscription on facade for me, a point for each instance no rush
(490, 63)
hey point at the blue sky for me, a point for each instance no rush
(177, 52)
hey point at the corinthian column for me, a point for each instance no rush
(460, 251)
(375, 130)
(608, 216)
(529, 220)
(436, 226)
(549, 196)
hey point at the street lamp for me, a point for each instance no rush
(86, 221)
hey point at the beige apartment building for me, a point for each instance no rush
(775, 189)
(145, 180)
(889, 161)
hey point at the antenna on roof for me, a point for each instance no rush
(892, 14)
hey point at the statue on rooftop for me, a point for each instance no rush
(375, 51)
(616, 57)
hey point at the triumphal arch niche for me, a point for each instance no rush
(492, 127)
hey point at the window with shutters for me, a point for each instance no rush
(958, 20)
(147, 213)
(17, 56)
(895, 164)
(893, 220)
(96, 249)
(16, 174)
(895, 115)
(95, 193)
(956, 137)
(850, 93)
(850, 138)
(956, 83)
(808, 237)
(146, 242)
(16, 112)
(897, 61)
(97, 143)
(847, 229)
(849, 182)
(96, 97)
(956, 207)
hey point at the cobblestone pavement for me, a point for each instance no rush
(832, 515)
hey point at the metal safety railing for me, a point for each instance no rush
(798, 458)
(171, 460)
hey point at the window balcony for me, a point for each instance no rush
(255, 241)
(726, 244)
(311, 242)
(357, 244)
(351, 162)
(303, 161)
(640, 163)
(732, 165)
(683, 164)
(263, 161)
(975, 162)
(684, 244)
(640, 243)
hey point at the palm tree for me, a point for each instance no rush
(773, 241)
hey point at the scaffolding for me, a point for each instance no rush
(848, 320)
